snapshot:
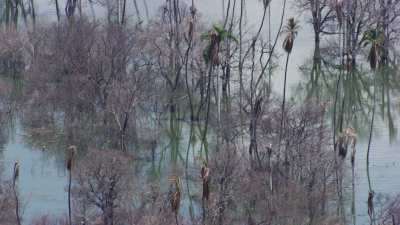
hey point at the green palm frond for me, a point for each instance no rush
(214, 37)
(373, 38)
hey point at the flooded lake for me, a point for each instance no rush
(44, 178)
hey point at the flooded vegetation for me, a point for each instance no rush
(177, 112)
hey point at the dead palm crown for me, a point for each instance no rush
(347, 137)
(370, 202)
(352, 136)
(175, 195)
(71, 151)
(16, 171)
(290, 30)
(205, 176)
(374, 38)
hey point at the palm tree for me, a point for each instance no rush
(374, 38)
(205, 176)
(214, 38)
(70, 161)
(290, 30)
(211, 56)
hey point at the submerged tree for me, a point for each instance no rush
(321, 16)
(104, 182)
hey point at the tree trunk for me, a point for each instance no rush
(123, 12)
(69, 196)
(33, 13)
(14, 12)
(317, 50)
(108, 215)
(23, 11)
(137, 11)
(57, 10)
(283, 106)
(371, 129)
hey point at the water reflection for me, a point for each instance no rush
(355, 93)
(37, 132)
(354, 108)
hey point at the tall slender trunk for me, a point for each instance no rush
(69, 196)
(57, 10)
(33, 13)
(92, 10)
(371, 130)
(283, 106)
(146, 9)
(208, 97)
(123, 12)
(137, 11)
(23, 11)
(7, 12)
(241, 65)
(317, 51)
(80, 8)
(342, 39)
(189, 92)
(14, 12)
(16, 206)
(14, 184)
(269, 48)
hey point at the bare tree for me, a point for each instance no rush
(322, 13)
(103, 179)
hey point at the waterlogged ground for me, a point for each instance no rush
(43, 177)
